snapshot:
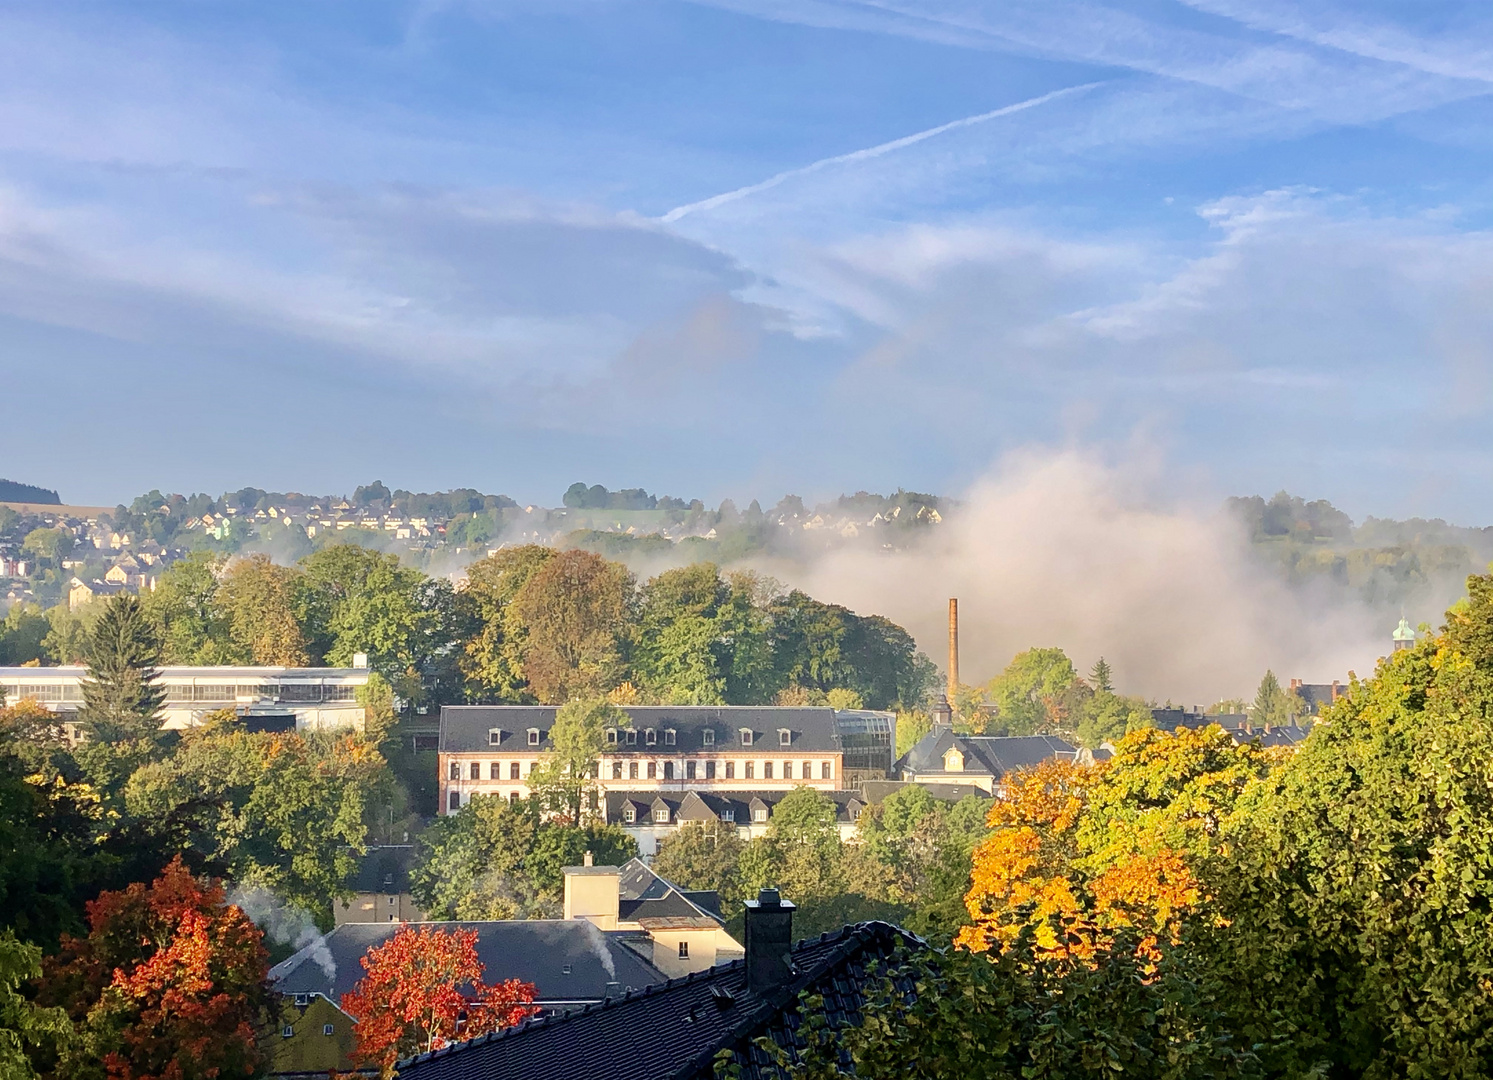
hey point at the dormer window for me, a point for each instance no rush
(650, 737)
(533, 736)
(759, 813)
(494, 736)
(632, 737)
(953, 760)
(707, 737)
(611, 736)
(728, 814)
(668, 736)
(629, 815)
(746, 736)
(661, 815)
(785, 737)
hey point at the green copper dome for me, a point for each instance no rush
(1403, 632)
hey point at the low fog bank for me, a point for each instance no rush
(1067, 549)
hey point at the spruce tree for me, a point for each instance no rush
(122, 695)
(1101, 677)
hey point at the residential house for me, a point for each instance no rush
(680, 1029)
(570, 962)
(492, 749)
(1237, 725)
(978, 761)
(308, 1036)
(80, 592)
(383, 888)
(651, 816)
(685, 934)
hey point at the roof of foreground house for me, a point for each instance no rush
(674, 1031)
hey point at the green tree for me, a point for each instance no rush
(1274, 704)
(67, 640)
(911, 727)
(122, 696)
(703, 856)
(53, 545)
(1101, 677)
(1033, 692)
(1105, 716)
(574, 611)
(259, 601)
(703, 639)
(493, 658)
(564, 781)
(26, 1029)
(23, 634)
(193, 627)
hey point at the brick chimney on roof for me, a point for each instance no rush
(769, 942)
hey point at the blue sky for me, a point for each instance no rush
(745, 247)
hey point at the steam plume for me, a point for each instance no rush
(286, 925)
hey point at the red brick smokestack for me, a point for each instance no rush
(953, 648)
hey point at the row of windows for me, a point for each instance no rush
(638, 770)
(629, 736)
(661, 814)
(207, 692)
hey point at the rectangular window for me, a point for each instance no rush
(494, 736)
(632, 770)
(533, 736)
(629, 815)
(453, 771)
(785, 737)
(495, 770)
(710, 770)
(668, 770)
(326, 1029)
(616, 770)
(453, 801)
(746, 736)
(475, 770)
(728, 814)
(684, 950)
(632, 737)
(827, 771)
(287, 1032)
(513, 798)
(611, 736)
(513, 770)
(660, 815)
(707, 737)
(766, 770)
(787, 770)
(808, 773)
(689, 770)
(668, 736)
(653, 770)
(759, 813)
(730, 770)
(751, 770)
(650, 737)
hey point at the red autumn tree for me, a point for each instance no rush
(424, 989)
(167, 985)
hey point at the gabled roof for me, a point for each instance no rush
(712, 805)
(535, 950)
(877, 791)
(465, 728)
(386, 869)
(673, 1031)
(984, 755)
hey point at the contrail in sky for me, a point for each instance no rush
(870, 152)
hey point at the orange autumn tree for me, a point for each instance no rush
(424, 989)
(168, 984)
(1078, 853)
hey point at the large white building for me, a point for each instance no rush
(272, 698)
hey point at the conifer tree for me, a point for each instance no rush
(122, 696)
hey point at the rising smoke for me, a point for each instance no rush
(1099, 558)
(285, 925)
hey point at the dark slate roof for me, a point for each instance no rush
(984, 755)
(536, 951)
(642, 894)
(464, 728)
(876, 791)
(673, 1031)
(711, 805)
(386, 869)
(1172, 719)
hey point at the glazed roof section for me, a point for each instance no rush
(468, 728)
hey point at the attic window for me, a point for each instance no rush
(661, 815)
(611, 736)
(326, 1029)
(565, 970)
(668, 736)
(707, 737)
(629, 815)
(728, 814)
(287, 1032)
(785, 737)
(494, 736)
(684, 950)
(533, 736)
(651, 737)
(746, 736)
(632, 737)
(759, 813)
(301, 1000)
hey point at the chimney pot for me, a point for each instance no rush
(769, 941)
(588, 859)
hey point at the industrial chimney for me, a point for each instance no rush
(953, 649)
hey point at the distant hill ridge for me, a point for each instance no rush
(11, 491)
